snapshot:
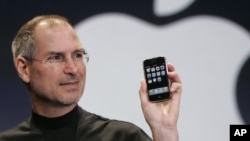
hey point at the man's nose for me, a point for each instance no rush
(70, 65)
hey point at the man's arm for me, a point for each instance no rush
(162, 116)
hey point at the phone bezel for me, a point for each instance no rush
(161, 96)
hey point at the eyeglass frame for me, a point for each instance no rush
(63, 59)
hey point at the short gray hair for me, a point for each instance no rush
(24, 43)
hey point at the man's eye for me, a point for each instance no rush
(78, 55)
(55, 58)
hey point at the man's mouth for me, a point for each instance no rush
(69, 83)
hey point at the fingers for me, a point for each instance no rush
(176, 90)
(172, 74)
(176, 87)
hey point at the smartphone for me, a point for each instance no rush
(155, 71)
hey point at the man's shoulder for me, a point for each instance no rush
(16, 132)
(110, 128)
(92, 118)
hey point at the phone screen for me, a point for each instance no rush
(156, 78)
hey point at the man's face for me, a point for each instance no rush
(59, 83)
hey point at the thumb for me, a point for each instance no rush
(143, 91)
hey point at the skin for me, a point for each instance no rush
(55, 89)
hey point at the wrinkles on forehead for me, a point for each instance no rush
(50, 33)
(56, 36)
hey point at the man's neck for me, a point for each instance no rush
(52, 111)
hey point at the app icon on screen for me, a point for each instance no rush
(163, 73)
(162, 67)
(152, 69)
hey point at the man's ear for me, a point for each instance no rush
(22, 68)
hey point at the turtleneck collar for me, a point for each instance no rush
(68, 120)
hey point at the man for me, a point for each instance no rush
(51, 62)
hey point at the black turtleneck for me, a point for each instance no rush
(77, 125)
(57, 129)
